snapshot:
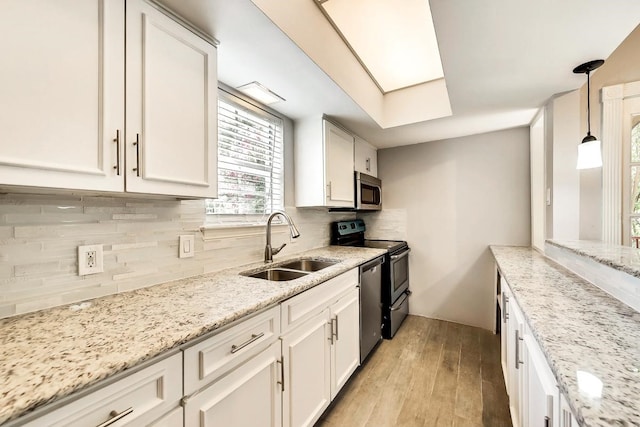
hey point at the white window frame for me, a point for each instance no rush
(244, 223)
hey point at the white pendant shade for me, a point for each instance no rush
(589, 155)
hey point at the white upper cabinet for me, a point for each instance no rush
(366, 157)
(171, 106)
(324, 156)
(62, 86)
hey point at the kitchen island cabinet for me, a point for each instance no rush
(578, 332)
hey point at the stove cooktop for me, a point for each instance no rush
(389, 245)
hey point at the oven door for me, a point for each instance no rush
(399, 273)
(398, 312)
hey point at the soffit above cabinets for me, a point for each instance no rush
(502, 59)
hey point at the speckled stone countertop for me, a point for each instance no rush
(624, 258)
(579, 328)
(52, 353)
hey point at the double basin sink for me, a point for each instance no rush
(291, 270)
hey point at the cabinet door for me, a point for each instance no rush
(62, 86)
(515, 337)
(174, 418)
(504, 332)
(249, 396)
(171, 134)
(345, 351)
(566, 416)
(306, 357)
(338, 166)
(540, 387)
(366, 157)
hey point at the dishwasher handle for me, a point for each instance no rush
(371, 265)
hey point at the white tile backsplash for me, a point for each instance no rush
(39, 236)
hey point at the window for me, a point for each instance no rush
(250, 160)
(634, 165)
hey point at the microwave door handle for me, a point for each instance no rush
(402, 255)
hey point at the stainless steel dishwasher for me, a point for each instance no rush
(370, 306)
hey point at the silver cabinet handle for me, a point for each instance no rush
(281, 363)
(254, 337)
(117, 141)
(402, 255)
(331, 335)
(505, 307)
(337, 337)
(368, 164)
(329, 190)
(137, 144)
(115, 416)
(517, 357)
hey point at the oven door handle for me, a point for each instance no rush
(398, 304)
(402, 255)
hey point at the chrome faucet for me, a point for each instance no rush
(269, 252)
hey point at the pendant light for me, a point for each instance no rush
(589, 151)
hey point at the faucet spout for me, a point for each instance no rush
(269, 252)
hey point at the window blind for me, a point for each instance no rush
(250, 160)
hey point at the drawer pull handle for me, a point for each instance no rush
(115, 416)
(254, 337)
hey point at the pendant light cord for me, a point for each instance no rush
(588, 105)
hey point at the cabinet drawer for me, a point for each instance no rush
(207, 360)
(144, 396)
(302, 307)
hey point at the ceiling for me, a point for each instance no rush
(502, 60)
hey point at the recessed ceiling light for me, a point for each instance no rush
(397, 45)
(260, 93)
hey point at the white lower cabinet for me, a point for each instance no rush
(320, 353)
(345, 351)
(249, 396)
(540, 391)
(307, 371)
(534, 397)
(136, 400)
(566, 416)
(174, 418)
(514, 380)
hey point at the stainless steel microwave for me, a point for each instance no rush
(368, 192)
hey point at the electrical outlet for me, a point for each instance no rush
(90, 260)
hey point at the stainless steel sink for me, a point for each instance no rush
(308, 264)
(277, 274)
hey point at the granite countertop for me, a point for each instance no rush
(624, 258)
(579, 328)
(52, 353)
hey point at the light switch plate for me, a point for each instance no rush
(186, 246)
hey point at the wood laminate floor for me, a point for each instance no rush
(433, 373)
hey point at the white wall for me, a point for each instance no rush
(566, 178)
(539, 183)
(457, 197)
